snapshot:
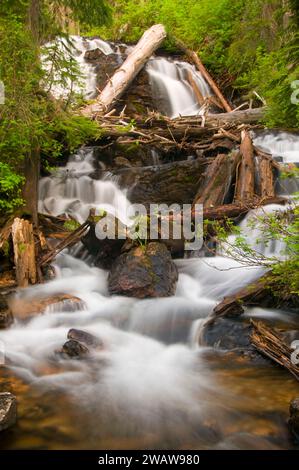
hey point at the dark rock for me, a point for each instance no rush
(74, 350)
(231, 335)
(84, 337)
(144, 272)
(148, 183)
(94, 54)
(8, 410)
(6, 317)
(294, 418)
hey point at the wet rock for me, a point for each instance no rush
(294, 418)
(84, 337)
(8, 410)
(144, 272)
(93, 54)
(231, 335)
(148, 184)
(24, 308)
(6, 317)
(74, 350)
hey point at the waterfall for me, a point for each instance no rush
(172, 81)
(171, 86)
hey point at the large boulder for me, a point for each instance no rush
(144, 272)
(8, 410)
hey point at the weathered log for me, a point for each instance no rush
(24, 252)
(216, 182)
(195, 88)
(198, 63)
(236, 210)
(71, 240)
(244, 190)
(269, 343)
(266, 178)
(232, 305)
(150, 41)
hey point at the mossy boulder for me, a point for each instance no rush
(144, 272)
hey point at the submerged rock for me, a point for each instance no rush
(8, 410)
(294, 418)
(84, 337)
(74, 350)
(24, 308)
(6, 317)
(144, 272)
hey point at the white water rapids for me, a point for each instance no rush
(151, 385)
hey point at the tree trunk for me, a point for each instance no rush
(31, 171)
(246, 172)
(196, 60)
(24, 252)
(150, 41)
(266, 178)
(217, 181)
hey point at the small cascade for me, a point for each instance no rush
(72, 191)
(171, 83)
(284, 147)
(74, 50)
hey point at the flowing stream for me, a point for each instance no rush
(153, 384)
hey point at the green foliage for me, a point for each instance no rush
(10, 189)
(280, 226)
(30, 120)
(71, 225)
(252, 45)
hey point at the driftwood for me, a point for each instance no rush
(269, 343)
(24, 252)
(198, 63)
(217, 181)
(118, 83)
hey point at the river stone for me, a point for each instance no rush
(74, 350)
(8, 410)
(84, 337)
(6, 317)
(294, 418)
(144, 272)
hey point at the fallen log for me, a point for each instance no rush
(24, 252)
(244, 190)
(198, 63)
(70, 240)
(232, 305)
(236, 210)
(269, 343)
(118, 83)
(217, 180)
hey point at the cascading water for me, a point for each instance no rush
(149, 385)
(171, 83)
